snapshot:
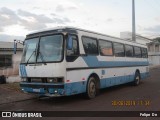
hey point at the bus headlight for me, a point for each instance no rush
(55, 80)
(52, 80)
(24, 79)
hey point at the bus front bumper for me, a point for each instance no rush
(43, 89)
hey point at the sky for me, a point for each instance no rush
(20, 17)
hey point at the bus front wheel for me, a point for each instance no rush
(92, 88)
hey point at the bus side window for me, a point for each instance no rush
(105, 48)
(129, 51)
(90, 45)
(119, 50)
(144, 53)
(74, 53)
(137, 52)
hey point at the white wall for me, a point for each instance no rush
(139, 39)
(11, 79)
(154, 54)
(154, 60)
(14, 70)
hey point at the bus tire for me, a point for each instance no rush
(92, 88)
(137, 79)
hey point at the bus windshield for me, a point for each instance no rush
(46, 49)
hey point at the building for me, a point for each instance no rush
(9, 62)
(140, 39)
(153, 47)
(154, 52)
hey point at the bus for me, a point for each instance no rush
(66, 61)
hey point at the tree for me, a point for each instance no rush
(157, 39)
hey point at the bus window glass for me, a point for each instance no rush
(144, 53)
(50, 48)
(119, 50)
(129, 51)
(105, 48)
(75, 50)
(90, 45)
(137, 52)
(29, 52)
(74, 53)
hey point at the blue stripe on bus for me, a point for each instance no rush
(23, 71)
(80, 87)
(20, 69)
(92, 61)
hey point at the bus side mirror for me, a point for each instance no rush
(15, 46)
(69, 42)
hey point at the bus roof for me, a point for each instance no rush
(77, 29)
(71, 28)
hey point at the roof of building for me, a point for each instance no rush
(144, 38)
(9, 45)
(129, 36)
(154, 42)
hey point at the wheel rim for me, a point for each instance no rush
(137, 79)
(92, 89)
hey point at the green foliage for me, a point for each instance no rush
(157, 39)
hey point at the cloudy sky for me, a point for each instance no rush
(20, 17)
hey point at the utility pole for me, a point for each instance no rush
(133, 22)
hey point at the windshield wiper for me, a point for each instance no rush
(42, 58)
(30, 56)
(35, 51)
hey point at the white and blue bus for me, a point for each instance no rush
(65, 61)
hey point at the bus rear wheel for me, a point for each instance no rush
(137, 79)
(92, 88)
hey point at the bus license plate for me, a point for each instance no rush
(36, 90)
